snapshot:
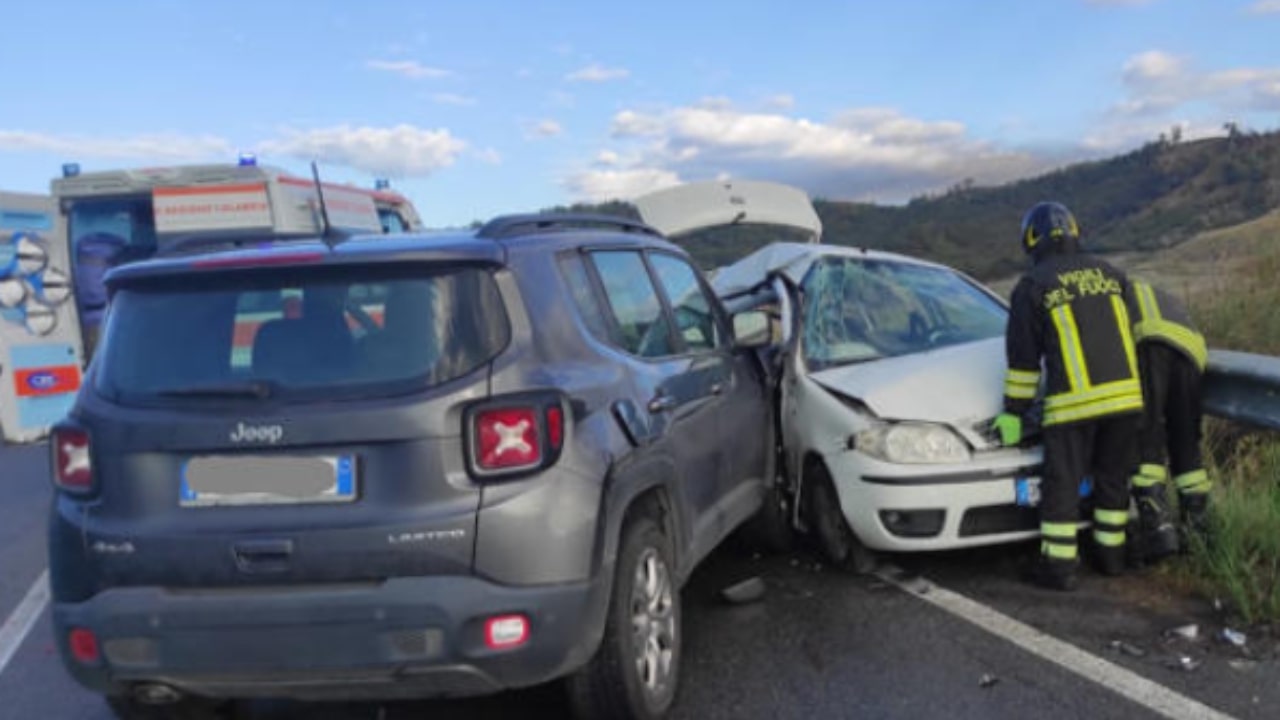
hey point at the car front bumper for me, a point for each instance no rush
(402, 638)
(905, 508)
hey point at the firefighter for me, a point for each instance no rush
(1070, 313)
(1171, 359)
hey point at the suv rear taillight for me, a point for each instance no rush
(515, 435)
(507, 439)
(72, 468)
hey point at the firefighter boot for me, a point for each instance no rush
(1193, 509)
(1106, 550)
(1157, 538)
(1053, 574)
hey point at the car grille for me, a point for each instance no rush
(996, 519)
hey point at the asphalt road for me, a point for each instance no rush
(821, 644)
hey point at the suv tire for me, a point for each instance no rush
(634, 673)
(829, 527)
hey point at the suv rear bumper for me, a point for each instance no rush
(403, 638)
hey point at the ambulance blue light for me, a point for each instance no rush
(381, 184)
(248, 160)
(70, 169)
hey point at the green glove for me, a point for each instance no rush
(1010, 427)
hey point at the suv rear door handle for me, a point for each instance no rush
(661, 402)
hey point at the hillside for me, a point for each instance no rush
(1201, 270)
(1157, 196)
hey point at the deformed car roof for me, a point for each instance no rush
(792, 260)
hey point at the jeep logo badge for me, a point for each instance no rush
(270, 434)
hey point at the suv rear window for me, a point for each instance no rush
(305, 334)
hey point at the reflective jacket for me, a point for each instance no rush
(1070, 312)
(1161, 317)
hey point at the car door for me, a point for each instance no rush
(679, 389)
(733, 380)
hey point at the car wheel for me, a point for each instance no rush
(831, 529)
(634, 674)
(128, 708)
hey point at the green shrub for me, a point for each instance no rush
(1240, 560)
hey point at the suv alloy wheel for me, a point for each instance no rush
(634, 673)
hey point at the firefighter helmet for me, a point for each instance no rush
(1051, 222)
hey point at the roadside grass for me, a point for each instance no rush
(1240, 563)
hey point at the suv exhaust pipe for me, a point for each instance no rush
(156, 694)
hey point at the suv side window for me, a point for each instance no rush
(584, 296)
(642, 324)
(695, 319)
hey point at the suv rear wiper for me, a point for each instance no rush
(258, 389)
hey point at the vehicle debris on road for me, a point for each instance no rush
(1129, 649)
(1233, 637)
(747, 591)
(988, 681)
(1186, 632)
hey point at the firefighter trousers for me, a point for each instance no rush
(1104, 449)
(1171, 425)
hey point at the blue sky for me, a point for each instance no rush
(479, 108)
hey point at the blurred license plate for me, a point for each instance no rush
(267, 480)
(1026, 491)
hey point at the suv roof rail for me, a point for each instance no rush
(505, 226)
(195, 244)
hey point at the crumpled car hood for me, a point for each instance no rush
(957, 385)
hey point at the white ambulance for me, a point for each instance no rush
(40, 359)
(119, 216)
(55, 251)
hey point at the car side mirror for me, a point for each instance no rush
(752, 329)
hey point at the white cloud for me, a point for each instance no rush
(142, 147)
(781, 101)
(598, 185)
(1119, 137)
(596, 73)
(400, 151)
(544, 129)
(1158, 82)
(453, 99)
(1153, 67)
(715, 102)
(561, 99)
(407, 68)
(1265, 7)
(489, 156)
(865, 153)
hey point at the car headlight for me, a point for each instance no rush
(915, 443)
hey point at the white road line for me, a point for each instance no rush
(1124, 682)
(18, 625)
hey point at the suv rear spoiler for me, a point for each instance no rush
(695, 206)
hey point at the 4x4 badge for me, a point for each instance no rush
(271, 434)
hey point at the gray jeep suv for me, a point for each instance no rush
(394, 467)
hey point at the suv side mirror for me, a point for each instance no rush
(752, 329)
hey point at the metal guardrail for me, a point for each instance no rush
(1243, 387)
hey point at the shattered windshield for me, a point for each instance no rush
(857, 310)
